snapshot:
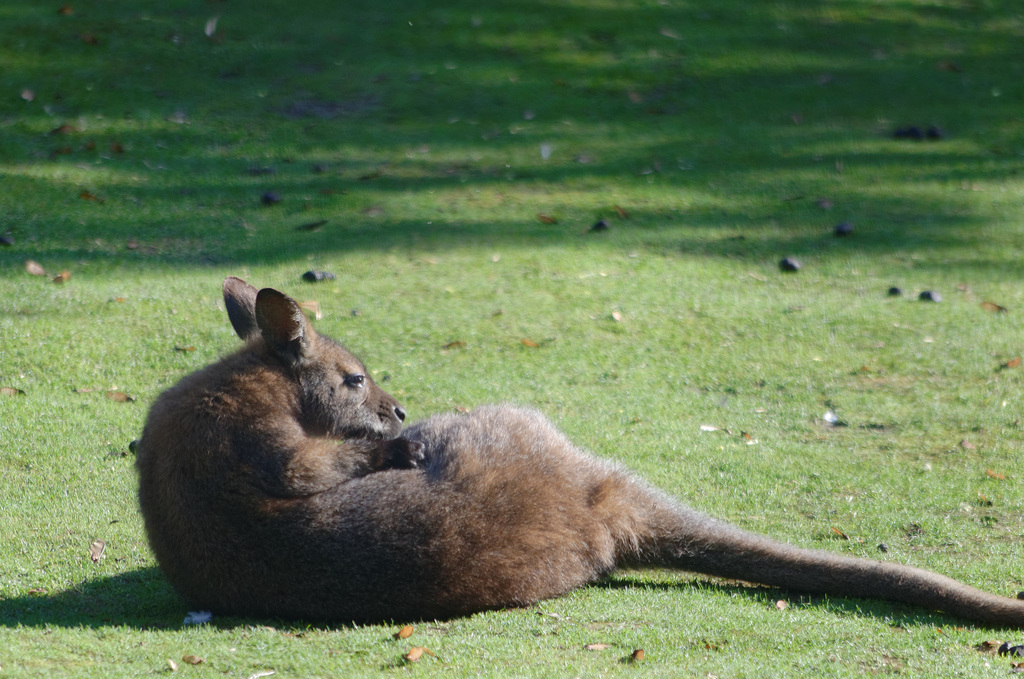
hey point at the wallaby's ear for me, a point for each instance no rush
(284, 326)
(240, 301)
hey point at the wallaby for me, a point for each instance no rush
(278, 482)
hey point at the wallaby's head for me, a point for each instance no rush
(339, 399)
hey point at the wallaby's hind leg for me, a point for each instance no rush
(669, 534)
(572, 518)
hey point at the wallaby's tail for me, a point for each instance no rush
(686, 539)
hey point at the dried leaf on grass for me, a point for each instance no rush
(781, 604)
(192, 659)
(993, 307)
(840, 534)
(34, 267)
(417, 652)
(119, 396)
(62, 277)
(96, 549)
(404, 633)
(992, 474)
(637, 655)
(456, 344)
(11, 391)
(1012, 363)
(546, 219)
(597, 647)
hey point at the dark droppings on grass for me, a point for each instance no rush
(844, 229)
(318, 276)
(789, 265)
(919, 133)
(1012, 651)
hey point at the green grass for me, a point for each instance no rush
(731, 134)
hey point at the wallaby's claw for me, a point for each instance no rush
(417, 456)
(406, 454)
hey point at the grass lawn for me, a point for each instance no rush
(446, 161)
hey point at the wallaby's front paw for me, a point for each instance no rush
(406, 454)
(417, 454)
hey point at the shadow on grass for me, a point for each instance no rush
(893, 613)
(140, 599)
(744, 112)
(143, 599)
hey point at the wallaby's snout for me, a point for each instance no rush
(391, 411)
(391, 414)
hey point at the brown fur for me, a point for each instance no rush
(271, 484)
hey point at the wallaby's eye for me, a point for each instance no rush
(354, 380)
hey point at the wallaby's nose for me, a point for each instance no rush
(400, 413)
